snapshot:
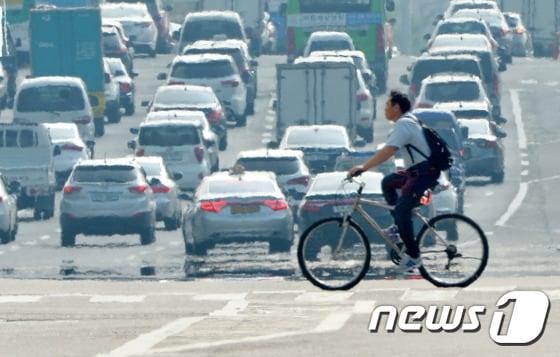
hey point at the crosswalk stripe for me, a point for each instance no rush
(19, 299)
(428, 295)
(117, 299)
(334, 321)
(363, 307)
(219, 297)
(553, 294)
(323, 297)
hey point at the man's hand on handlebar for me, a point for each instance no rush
(356, 171)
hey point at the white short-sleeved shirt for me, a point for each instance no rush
(407, 131)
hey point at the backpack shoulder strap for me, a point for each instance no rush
(410, 146)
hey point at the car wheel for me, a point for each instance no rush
(498, 177)
(250, 108)
(199, 249)
(242, 120)
(114, 116)
(172, 224)
(148, 236)
(216, 167)
(67, 238)
(129, 108)
(37, 214)
(279, 246)
(5, 237)
(152, 53)
(14, 231)
(99, 124)
(223, 143)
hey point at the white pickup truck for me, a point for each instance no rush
(316, 92)
(26, 157)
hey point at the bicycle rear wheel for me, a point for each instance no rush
(454, 251)
(330, 268)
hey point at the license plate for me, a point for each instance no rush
(244, 209)
(342, 209)
(173, 156)
(104, 196)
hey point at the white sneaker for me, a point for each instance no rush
(408, 264)
(392, 233)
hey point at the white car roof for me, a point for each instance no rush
(315, 128)
(451, 106)
(444, 78)
(371, 178)
(219, 15)
(228, 43)
(329, 35)
(202, 58)
(52, 80)
(173, 115)
(184, 87)
(324, 59)
(61, 126)
(148, 160)
(124, 5)
(264, 153)
(466, 39)
(344, 53)
(108, 162)
(167, 122)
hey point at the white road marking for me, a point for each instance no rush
(525, 163)
(145, 342)
(551, 84)
(518, 117)
(523, 154)
(334, 322)
(106, 299)
(30, 243)
(269, 119)
(1, 252)
(525, 173)
(551, 178)
(522, 142)
(323, 297)
(553, 294)
(45, 237)
(514, 205)
(428, 295)
(219, 297)
(159, 249)
(277, 292)
(14, 248)
(174, 243)
(489, 233)
(19, 299)
(232, 308)
(489, 193)
(529, 81)
(131, 257)
(269, 127)
(363, 307)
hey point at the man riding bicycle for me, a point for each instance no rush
(409, 139)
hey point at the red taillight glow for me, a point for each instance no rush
(173, 82)
(160, 189)
(213, 206)
(82, 120)
(291, 40)
(138, 189)
(199, 153)
(276, 205)
(125, 87)
(362, 97)
(72, 147)
(230, 83)
(310, 206)
(140, 152)
(424, 105)
(71, 189)
(215, 116)
(304, 181)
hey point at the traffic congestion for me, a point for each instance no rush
(133, 136)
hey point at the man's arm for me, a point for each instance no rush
(380, 157)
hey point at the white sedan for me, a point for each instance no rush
(8, 212)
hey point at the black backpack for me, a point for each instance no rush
(441, 157)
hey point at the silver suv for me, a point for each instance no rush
(107, 197)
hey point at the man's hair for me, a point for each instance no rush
(400, 99)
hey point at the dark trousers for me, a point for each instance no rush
(412, 189)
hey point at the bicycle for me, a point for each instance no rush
(335, 253)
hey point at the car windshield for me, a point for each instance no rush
(319, 138)
(172, 135)
(452, 92)
(212, 69)
(50, 98)
(62, 133)
(123, 11)
(280, 166)
(208, 29)
(471, 113)
(462, 27)
(424, 69)
(233, 52)
(115, 174)
(330, 45)
(241, 187)
(477, 127)
(493, 18)
(111, 42)
(169, 97)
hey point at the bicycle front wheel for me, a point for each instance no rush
(454, 251)
(333, 255)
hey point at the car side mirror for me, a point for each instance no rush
(161, 76)
(107, 78)
(90, 143)
(131, 145)
(427, 37)
(209, 142)
(390, 5)
(439, 17)
(93, 100)
(273, 145)
(404, 79)
(275, 105)
(254, 63)
(500, 133)
(465, 132)
(134, 131)
(18, 43)
(175, 35)
(500, 120)
(145, 103)
(177, 176)
(359, 142)
(502, 67)
(57, 151)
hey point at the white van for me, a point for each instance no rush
(55, 100)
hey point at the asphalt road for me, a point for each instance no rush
(94, 316)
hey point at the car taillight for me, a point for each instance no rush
(310, 206)
(362, 97)
(380, 37)
(304, 180)
(213, 206)
(276, 205)
(140, 152)
(172, 82)
(82, 120)
(199, 153)
(215, 116)
(160, 189)
(138, 189)
(125, 87)
(291, 40)
(230, 83)
(72, 147)
(520, 30)
(71, 189)
(122, 50)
